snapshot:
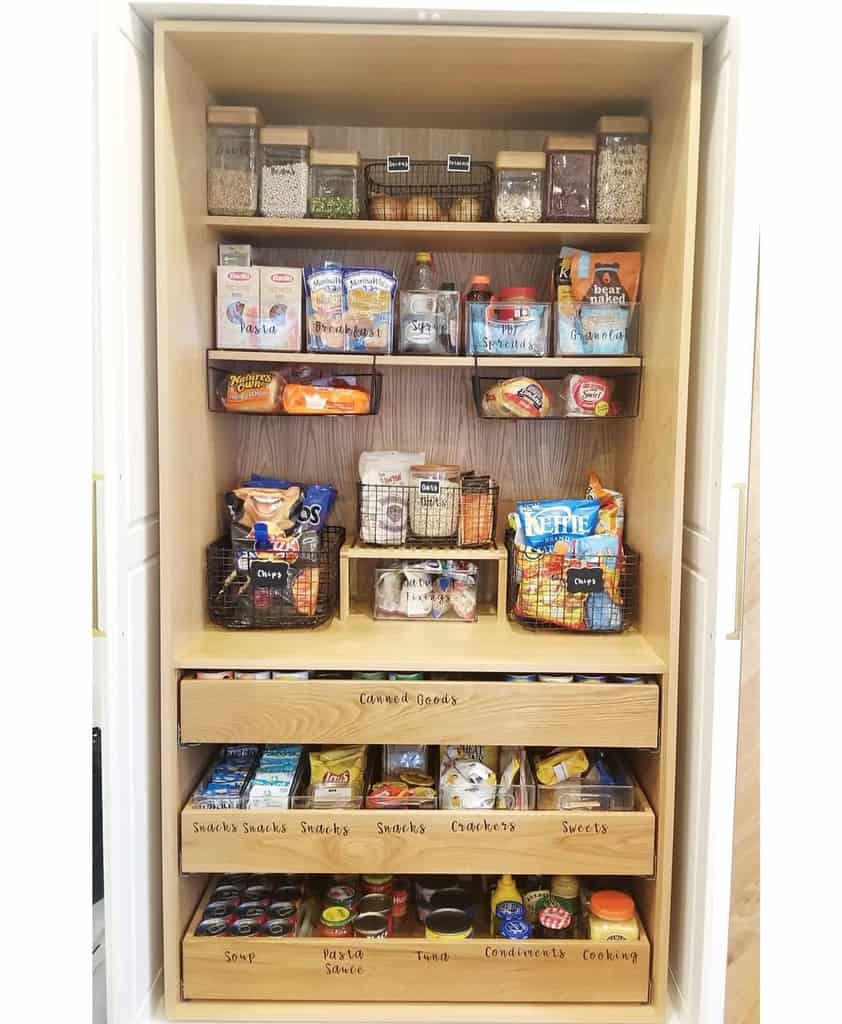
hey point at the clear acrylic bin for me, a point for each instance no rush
(596, 329)
(430, 323)
(508, 328)
(436, 590)
(584, 795)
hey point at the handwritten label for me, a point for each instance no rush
(459, 163)
(585, 581)
(422, 700)
(611, 955)
(244, 828)
(518, 952)
(238, 957)
(397, 164)
(401, 828)
(591, 828)
(431, 958)
(343, 961)
(483, 825)
(330, 828)
(268, 574)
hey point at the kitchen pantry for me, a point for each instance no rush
(242, 704)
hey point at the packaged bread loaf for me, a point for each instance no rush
(251, 392)
(518, 397)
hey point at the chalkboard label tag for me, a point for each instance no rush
(459, 163)
(398, 164)
(264, 573)
(585, 581)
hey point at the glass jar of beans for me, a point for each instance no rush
(232, 160)
(285, 170)
(622, 168)
(571, 164)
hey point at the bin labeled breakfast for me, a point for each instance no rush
(275, 936)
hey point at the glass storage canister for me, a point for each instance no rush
(284, 171)
(334, 184)
(622, 168)
(571, 178)
(232, 160)
(520, 187)
(434, 500)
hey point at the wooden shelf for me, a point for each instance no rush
(398, 968)
(361, 644)
(523, 842)
(442, 237)
(230, 355)
(368, 711)
(494, 553)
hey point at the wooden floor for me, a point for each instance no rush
(742, 994)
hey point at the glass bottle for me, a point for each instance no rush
(477, 298)
(232, 139)
(418, 309)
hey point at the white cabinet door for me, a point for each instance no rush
(714, 532)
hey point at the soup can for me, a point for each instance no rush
(445, 924)
(279, 927)
(287, 894)
(257, 892)
(226, 892)
(214, 925)
(246, 926)
(254, 908)
(371, 925)
(220, 908)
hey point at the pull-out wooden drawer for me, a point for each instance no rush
(359, 711)
(415, 969)
(483, 842)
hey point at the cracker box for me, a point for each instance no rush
(237, 307)
(280, 308)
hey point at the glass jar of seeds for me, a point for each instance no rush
(571, 178)
(334, 184)
(622, 167)
(232, 160)
(520, 186)
(284, 171)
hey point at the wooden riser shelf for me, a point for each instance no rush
(361, 711)
(490, 842)
(396, 360)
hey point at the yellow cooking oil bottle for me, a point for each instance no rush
(506, 891)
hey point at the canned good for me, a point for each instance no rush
(629, 679)
(507, 910)
(254, 908)
(521, 677)
(518, 928)
(377, 903)
(341, 896)
(282, 911)
(257, 892)
(445, 924)
(586, 677)
(376, 883)
(400, 897)
(279, 927)
(554, 679)
(243, 927)
(220, 908)
(453, 899)
(226, 892)
(214, 925)
(287, 894)
(335, 923)
(555, 923)
(371, 925)
(426, 885)
(236, 878)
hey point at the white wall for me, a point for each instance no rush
(128, 685)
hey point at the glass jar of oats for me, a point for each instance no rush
(232, 160)
(622, 169)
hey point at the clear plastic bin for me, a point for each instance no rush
(429, 323)
(436, 590)
(508, 328)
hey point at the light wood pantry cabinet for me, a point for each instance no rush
(427, 91)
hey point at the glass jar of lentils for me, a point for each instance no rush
(571, 178)
(334, 184)
(622, 168)
(232, 160)
(284, 172)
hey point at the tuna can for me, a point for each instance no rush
(445, 924)
(244, 927)
(335, 923)
(517, 928)
(371, 925)
(426, 885)
(214, 925)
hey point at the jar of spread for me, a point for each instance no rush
(434, 500)
(444, 925)
(335, 923)
(612, 917)
(555, 923)
(371, 926)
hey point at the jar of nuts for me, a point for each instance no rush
(232, 160)
(334, 184)
(284, 171)
(571, 179)
(520, 186)
(622, 167)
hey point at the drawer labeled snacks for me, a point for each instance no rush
(434, 590)
(308, 940)
(601, 395)
(346, 808)
(405, 500)
(428, 191)
(606, 713)
(293, 391)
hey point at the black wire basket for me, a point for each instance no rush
(429, 192)
(249, 590)
(458, 515)
(596, 594)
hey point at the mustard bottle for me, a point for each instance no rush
(506, 891)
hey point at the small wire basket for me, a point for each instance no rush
(594, 594)
(462, 515)
(428, 191)
(250, 590)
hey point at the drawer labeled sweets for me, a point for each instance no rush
(415, 807)
(273, 936)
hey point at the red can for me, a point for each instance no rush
(400, 898)
(376, 883)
